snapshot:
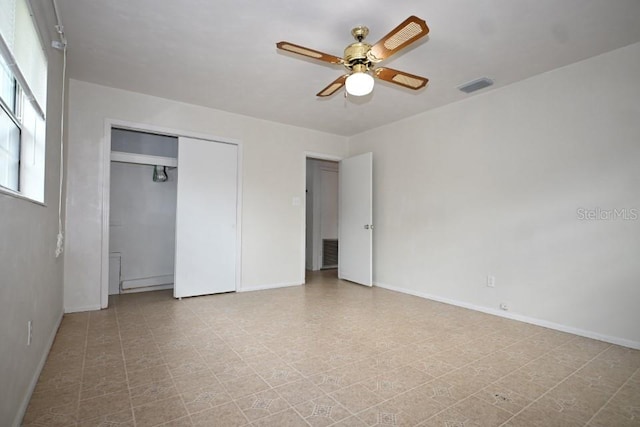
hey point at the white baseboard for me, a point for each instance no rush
(79, 309)
(514, 316)
(36, 374)
(272, 286)
(147, 289)
(147, 282)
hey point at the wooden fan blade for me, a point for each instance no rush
(401, 78)
(300, 50)
(412, 29)
(333, 87)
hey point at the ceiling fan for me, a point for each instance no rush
(360, 59)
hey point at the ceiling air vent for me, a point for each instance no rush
(475, 85)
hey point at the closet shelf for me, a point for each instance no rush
(143, 159)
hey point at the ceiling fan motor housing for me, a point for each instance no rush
(356, 53)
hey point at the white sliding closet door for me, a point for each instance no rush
(206, 217)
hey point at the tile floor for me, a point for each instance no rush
(328, 353)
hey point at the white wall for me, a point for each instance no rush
(142, 221)
(30, 274)
(492, 184)
(273, 174)
(329, 202)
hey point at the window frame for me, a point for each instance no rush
(14, 114)
(31, 177)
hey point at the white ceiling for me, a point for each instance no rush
(222, 53)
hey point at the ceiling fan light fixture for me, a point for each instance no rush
(359, 84)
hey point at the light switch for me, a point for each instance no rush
(491, 281)
(296, 201)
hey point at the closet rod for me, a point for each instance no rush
(143, 159)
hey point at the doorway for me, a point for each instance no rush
(354, 218)
(321, 231)
(209, 168)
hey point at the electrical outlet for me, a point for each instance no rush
(491, 281)
(29, 332)
(503, 306)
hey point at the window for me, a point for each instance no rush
(9, 131)
(23, 90)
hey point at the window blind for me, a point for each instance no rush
(7, 22)
(22, 51)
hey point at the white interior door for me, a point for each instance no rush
(355, 239)
(206, 217)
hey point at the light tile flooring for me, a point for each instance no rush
(328, 353)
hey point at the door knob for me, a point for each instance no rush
(368, 226)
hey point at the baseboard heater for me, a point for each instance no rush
(146, 282)
(329, 253)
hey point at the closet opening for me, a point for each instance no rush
(142, 211)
